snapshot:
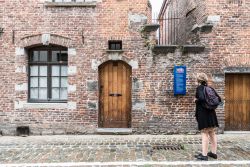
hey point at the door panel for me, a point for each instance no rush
(115, 95)
(237, 107)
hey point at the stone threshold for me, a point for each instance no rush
(236, 132)
(132, 163)
(113, 131)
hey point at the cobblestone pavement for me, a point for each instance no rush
(128, 148)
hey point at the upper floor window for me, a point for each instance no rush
(115, 45)
(48, 74)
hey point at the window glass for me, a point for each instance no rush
(55, 93)
(43, 93)
(43, 56)
(64, 56)
(55, 55)
(43, 82)
(64, 71)
(64, 82)
(34, 82)
(34, 71)
(63, 93)
(55, 70)
(35, 56)
(43, 70)
(34, 93)
(55, 81)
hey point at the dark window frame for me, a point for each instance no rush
(49, 64)
(116, 43)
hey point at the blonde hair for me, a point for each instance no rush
(202, 77)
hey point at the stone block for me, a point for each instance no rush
(72, 105)
(21, 87)
(92, 105)
(20, 51)
(134, 64)
(72, 70)
(72, 52)
(92, 85)
(71, 88)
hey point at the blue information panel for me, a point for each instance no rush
(180, 80)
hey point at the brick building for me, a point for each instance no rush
(77, 67)
(212, 37)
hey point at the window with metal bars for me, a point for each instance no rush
(48, 74)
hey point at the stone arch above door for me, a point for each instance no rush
(45, 39)
(114, 57)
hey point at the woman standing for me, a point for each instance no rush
(207, 121)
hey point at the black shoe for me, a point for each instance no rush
(201, 157)
(210, 154)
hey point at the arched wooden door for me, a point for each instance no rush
(115, 95)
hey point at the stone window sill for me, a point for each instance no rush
(114, 51)
(70, 4)
(46, 105)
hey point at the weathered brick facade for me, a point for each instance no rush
(85, 28)
(223, 28)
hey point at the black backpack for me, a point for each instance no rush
(212, 99)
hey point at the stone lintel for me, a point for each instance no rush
(237, 70)
(150, 27)
(207, 27)
(70, 4)
(114, 51)
(114, 131)
(193, 48)
(164, 48)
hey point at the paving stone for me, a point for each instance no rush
(97, 148)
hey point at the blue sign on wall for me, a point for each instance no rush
(180, 73)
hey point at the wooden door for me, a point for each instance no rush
(115, 95)
(237, 107)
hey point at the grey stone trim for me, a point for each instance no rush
(20, 51)
(92, 105)
(213, 19)
(95, 64)
(20, 69)
(92, 85)
(150, 27)
(45, 39)
(138, 105)
(72, 51)
(133, 64)
(237, 70)
(25, 105)
(21, 87)
(72, 70)
(71, 88)
(137, 18)
(70, 4)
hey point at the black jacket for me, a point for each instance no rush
(205, 118)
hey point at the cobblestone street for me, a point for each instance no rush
(88, 150)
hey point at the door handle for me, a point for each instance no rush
(115, 94)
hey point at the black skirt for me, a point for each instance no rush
(206, 118)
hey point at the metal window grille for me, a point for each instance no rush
(169, 24)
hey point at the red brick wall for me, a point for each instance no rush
(87, 30)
